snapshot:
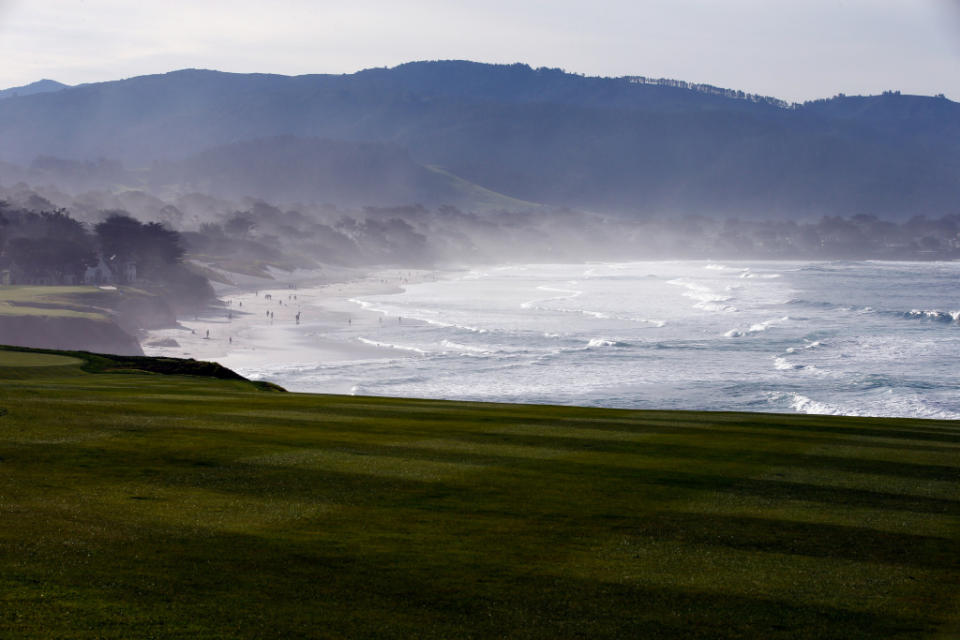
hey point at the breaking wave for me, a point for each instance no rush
(605, 342)
(890, 405)
(706, 298)
(803, 404)
(755, 328)
(933, 314)
(388, 345)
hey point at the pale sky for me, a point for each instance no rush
(791, 49)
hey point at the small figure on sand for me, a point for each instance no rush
(207, 337)
(298, 317)
(230, 340)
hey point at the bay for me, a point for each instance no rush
(846, 338)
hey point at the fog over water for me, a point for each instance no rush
(813, 337)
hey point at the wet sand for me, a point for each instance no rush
(255, 325)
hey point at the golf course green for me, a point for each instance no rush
(136, 504)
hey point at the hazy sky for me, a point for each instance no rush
(793, 49)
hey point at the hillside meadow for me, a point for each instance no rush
(143, 505)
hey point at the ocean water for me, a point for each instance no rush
(850, 338)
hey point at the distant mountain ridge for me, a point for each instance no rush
(40, 86)
(540, 135)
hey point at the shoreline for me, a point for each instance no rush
(286, 320)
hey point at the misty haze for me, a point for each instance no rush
(573, 354)
(427, 178)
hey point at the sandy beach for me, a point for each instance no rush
(291, 320)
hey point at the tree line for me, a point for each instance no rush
(710, 89)
(50, 247)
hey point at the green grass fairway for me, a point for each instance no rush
(64, 302)
(140, 505)
(13, 359)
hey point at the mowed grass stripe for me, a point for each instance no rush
(826, 470)
(164, 506)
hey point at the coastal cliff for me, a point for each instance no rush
(107, 320)
(67, 332)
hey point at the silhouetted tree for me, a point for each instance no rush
(151, 247)
(159, 246)
(119, 237)
(240, 224)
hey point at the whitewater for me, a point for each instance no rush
(844, 338)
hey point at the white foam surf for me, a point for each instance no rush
(649, 335)
(705, 297)
(757, 327)
(397, 347)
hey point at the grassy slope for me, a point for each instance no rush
(138, 505)
(475, 197)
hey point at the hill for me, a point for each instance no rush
(623, 145)
(144, 505)
(40, 86)
(289, 169)
(930, 120)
